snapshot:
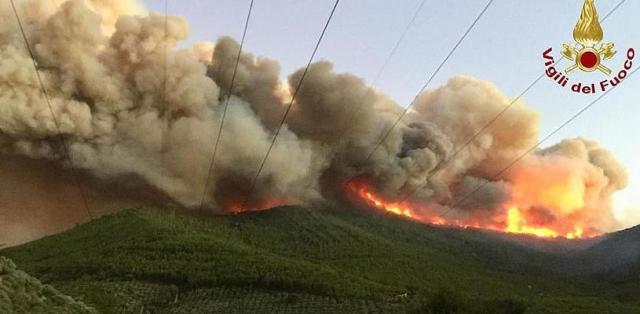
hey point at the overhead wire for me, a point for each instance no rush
(164, 112)
(226, 106)
(356, 109)
(429, 80)
(286, 113)
(65, 147)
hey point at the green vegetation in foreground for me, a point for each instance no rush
(21, 293)
(293, 260)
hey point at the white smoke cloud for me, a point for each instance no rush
(103, 64)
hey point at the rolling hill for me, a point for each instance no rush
(323, 260)
(619, 253)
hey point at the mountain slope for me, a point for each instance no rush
(296, 259)
(615, 259)
(618, 253)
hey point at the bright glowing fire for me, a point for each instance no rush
(239, 207)
(511, 220)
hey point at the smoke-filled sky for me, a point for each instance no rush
(140, 118)
(505, 47)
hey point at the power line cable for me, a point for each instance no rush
(406, 110)
(165, 117)
(226, 106)
(358, 107)
(468, 142)
(65, 147)
(286, 113)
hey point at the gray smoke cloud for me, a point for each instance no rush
(105, 65)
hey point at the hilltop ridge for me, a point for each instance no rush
(299, 259)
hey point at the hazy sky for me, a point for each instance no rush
(505, 47)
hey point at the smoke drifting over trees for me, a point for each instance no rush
(103, 64)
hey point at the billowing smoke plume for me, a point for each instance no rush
(133, 107)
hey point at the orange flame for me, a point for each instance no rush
(238, 207)
(512, 220)
(396, 208)
(367, 195)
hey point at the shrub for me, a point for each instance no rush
(21, 293)
(505, 306)
(442, 302)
